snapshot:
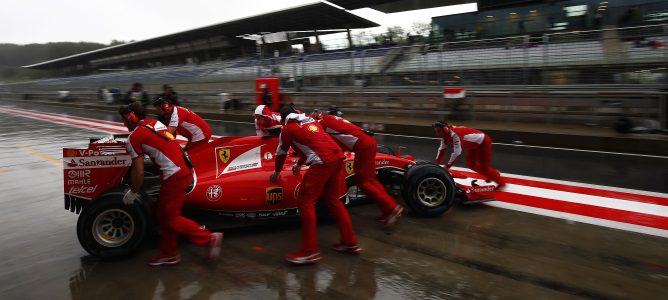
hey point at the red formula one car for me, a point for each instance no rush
(231, 188)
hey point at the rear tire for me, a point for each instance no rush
(428, 190)
(108, 228)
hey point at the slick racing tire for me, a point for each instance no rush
(108, 228)
(428, 190)
(385, 150)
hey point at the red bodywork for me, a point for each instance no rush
(232, 175)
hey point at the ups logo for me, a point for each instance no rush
(274, 195)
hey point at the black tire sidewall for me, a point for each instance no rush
(92, 210)
(414, 177)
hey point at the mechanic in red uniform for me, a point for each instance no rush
(152, 138)
(324, 178)
(184, 122)
(267, 122)
(477, 144)
(355, 139)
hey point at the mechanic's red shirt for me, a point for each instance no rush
(348, 135)
(313, 145)
(273, 117)
(165, 152)
(189, 124)
(460, 137)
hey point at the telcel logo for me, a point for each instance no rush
(82, 189)
(274, 195)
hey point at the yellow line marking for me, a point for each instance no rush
(42, 155)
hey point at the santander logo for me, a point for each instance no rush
(72, 163)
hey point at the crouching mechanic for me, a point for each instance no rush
(267, 122)
(152, 138)
(477, 144)
(324, 178)
(355, 139)
(184, 122)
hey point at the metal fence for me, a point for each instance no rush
(564, 110)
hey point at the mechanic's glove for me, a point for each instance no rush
(273, 177)
(296, 168)
(130, 197)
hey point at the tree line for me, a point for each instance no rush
(13, 56)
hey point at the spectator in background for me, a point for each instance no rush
(266, 96)
(170, 95)
(137, 93)
(598, 19)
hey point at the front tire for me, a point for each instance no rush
(108, 228)
(428, 190)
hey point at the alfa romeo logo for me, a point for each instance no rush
(214, 192)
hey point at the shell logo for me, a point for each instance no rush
(312, 128)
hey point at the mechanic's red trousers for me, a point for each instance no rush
(365, 177)
(480, 160)
(326, 181)
(172, 224)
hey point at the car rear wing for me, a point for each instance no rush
(89, 172)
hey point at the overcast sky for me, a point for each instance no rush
(41, 21)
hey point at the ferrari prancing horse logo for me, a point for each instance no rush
(312, 128)
(224, 154)
(349, 167)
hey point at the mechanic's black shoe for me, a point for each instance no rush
(393, 216)
(215, 244)
(303, 257)
(354, 249)
(160, 260)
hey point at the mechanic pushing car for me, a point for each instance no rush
(477, 144)
(267, 122)
(352, 138)
(152, 138)
(324, 178)
(184, 122)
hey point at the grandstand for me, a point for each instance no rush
(569, 55)
(487, 61)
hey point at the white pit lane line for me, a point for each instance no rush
(579, 218)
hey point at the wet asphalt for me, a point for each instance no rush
(468, 253)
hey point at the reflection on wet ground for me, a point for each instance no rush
(469, 253)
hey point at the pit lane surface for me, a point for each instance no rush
(477, 252)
